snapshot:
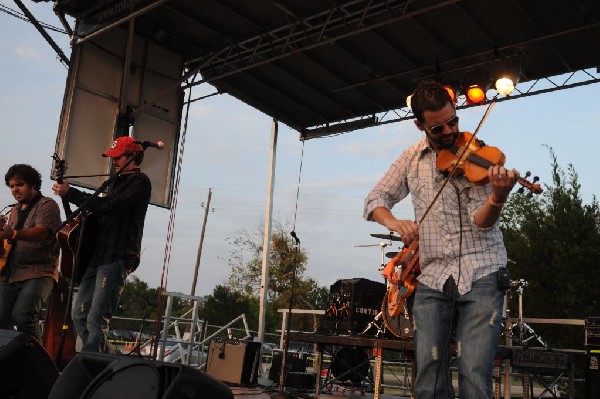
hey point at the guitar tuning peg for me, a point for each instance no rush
(536, 178)
(521, 190)
(527, 174)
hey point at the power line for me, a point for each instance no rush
(21, 16)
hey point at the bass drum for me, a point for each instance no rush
(401, 325)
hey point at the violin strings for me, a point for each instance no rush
(460, 158)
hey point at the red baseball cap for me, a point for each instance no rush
(122, 145)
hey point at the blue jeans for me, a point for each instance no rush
(97, 298)
(478, 318)
(20, 304)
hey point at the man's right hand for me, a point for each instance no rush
(408, 230)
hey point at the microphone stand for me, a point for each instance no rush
(281, 394)
(72, 216)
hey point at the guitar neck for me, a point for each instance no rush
(65, 203)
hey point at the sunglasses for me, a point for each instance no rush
(438, 129)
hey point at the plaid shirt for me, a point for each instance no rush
(441, 252)
(34, 259)
(121, 214)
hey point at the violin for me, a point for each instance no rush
(471, 158)
(476, 161)
(408, 261)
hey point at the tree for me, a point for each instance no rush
(225, 304)
(554, 242)
(286, 262)
(139, 301)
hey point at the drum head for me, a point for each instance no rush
(350, 364)
(401, 325)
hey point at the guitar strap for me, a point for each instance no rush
(24, 213)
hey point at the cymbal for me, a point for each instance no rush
(391, 254)
(386, 237)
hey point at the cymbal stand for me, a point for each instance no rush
(377, 321)
(382, 246)
(524, 332)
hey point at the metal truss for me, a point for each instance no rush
(551, 84)
(302, 34)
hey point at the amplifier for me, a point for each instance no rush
(353, 303)
(592, 331)
(537, 360)
(233, 361)
(592, 374)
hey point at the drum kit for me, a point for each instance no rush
(385, 324)
(400, 326)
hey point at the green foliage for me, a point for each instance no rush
(138, 301)
(287, 264)
(226, 304)
(554, 242)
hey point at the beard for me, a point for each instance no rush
(444, 140)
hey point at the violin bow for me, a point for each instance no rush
(460, 157)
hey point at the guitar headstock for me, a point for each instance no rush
(60, 167)
(532, 187)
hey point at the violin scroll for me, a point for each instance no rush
(534, 187)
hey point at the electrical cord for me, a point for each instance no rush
(445, 351)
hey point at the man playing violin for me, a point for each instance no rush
(29, 264)
(461, 251)
(121, 214)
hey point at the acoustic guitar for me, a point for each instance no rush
(6, 246)
(68, 235)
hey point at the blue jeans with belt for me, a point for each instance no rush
(21, 302)
(478, 318)
(97, 299)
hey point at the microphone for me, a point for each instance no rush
(293, 234)
(145, 144)
(8, 207)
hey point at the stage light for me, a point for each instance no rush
(475, 94)
(507, 78)
(408, 101)
(451, 92)
(476, 85)
(505, 86)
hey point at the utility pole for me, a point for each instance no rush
(206, 210)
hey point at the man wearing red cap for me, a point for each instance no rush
(121, 213)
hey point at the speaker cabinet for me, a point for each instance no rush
(353, 304)
(233, 361)
(26, 369)
(99, 376)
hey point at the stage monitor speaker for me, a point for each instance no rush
(99, 376)
(592, 374)
(233, 361)
(26, 369)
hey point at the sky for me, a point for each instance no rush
(227, 149)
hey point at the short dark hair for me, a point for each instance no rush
(138, 157)
(429, 96)
(26, 173)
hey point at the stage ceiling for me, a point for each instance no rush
(322, 66)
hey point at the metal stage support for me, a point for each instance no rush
(532, 363)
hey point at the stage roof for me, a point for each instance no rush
(316, 64)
